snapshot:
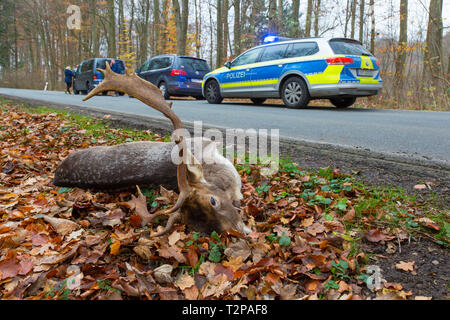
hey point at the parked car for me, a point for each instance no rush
(87, 77)
(175, 75)
(297, 71)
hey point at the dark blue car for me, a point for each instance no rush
(87, 77)
(175, 75)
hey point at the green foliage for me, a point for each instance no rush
(263, 188)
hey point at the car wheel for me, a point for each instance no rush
(212, 92)
(343, 102)
(121, 94)
(105, 93)
(163, 88)
(258, 100)
(89, 88)
(75, 91)
(294, 93)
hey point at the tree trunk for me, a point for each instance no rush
(353, 15)
(295, 15)
(316, 18)
(402, 48)
(219, 33)
(111, 30)
(361, 20)
(433, 52)
(225, 28)
(272, 16)
(157, 27)
(181, 19)
(237, 27)
(372, 28)
(308, 18)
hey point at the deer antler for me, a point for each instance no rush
(151, 96)
(138, 88)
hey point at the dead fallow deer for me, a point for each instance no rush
(209, 192)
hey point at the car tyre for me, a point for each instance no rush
(212, 92)
(258, 100)
(75, 91)
(294, 93)
(343, 102)
(163, 87)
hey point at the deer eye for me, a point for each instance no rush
(213, 201)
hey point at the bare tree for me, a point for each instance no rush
(372, 28)
(361, 20)
(237, 27)
(157, 28)
(308, 18)
(433, 51)
(219, 52)
(181, 22)
(295, 15)
(111, 29)
(316, 18)
(402, 48)
(353, 15)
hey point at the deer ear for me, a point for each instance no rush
(194, 169)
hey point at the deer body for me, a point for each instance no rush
(209, 189)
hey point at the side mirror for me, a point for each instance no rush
(228, 64)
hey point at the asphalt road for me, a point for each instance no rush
(418, 134)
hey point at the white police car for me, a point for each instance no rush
(297, 71)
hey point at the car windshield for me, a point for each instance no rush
(348, 47)
(194, 64)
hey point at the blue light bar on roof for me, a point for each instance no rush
(270, 38)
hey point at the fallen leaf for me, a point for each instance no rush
(375, 235)
(405, 266)
(239, 248)
(174, 237)
(61, 226)
(191, 293)
(163, 273)
(185, 281)
(234, 263)
(115, 248)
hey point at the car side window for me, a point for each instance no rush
(247, 58)
(159, 63)
(84, 66)
(275, 52)
(166, 62)
(88, 65)
(145, 66)
(302, 49)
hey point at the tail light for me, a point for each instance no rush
(378, 63)
(178, 72)
(95, 77)
(340, 61)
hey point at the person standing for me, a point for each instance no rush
(68, 79)
(115, 67)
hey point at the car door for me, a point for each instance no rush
(236, 81)
(152, 72)
(143, 69)
(267, 71)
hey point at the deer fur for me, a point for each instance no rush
(209, 192)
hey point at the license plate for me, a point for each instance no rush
(364, 73)
(197, 80)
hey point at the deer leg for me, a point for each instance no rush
(174, 217)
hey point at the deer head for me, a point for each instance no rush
(202, 205)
